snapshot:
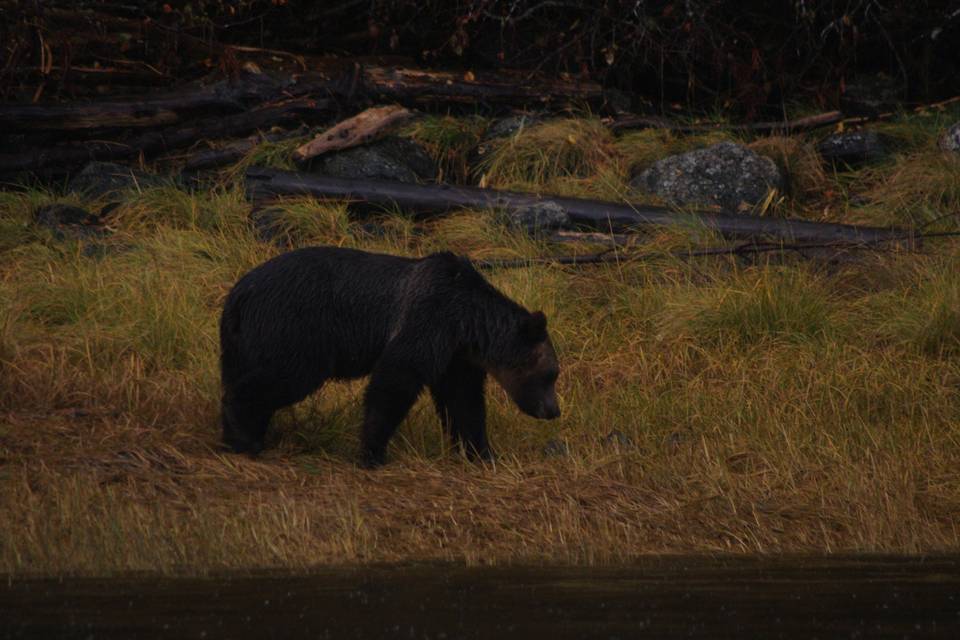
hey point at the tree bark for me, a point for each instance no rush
(605, 216)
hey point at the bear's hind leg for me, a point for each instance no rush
(244, 426)
(249, 404)
(246, 408)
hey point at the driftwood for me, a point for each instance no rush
(606, 216)
(359, 129)
(790, 126)
(155, 142)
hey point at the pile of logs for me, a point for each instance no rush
(54, 137)
(243, 108)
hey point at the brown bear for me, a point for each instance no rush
(327, 313)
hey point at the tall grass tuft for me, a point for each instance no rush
(449, 142)
(545, 152)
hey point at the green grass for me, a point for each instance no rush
(449, 142)
(771, 406)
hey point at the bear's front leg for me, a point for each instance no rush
(460, 403)
(389, 396)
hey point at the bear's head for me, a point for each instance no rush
(530, 375)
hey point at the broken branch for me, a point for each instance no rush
(360, 129)
(807, 123)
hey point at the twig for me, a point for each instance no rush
(807, 123)
(799, 124)
(277, 52)
(609, 256)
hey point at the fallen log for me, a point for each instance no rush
(417, 86)
(596, 214)
(359, 129)
(152, 143)
(807, 123)
(225, 96)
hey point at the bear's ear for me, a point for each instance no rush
(533, 328)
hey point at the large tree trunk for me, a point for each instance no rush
(595, 214)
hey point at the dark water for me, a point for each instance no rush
(658, 598)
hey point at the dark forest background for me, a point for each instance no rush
(751, 58)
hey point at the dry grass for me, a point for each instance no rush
(919, 188)
(565, 157)
(449, 142)
(709, 406)
(798, 159)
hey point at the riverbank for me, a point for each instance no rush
(709, 406)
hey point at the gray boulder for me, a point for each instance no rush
(555, 449)
(950, 140)
(98, 179)
(267, 224)
(539, 217)
(872, 94)
(99, 250)
(853, 147)
(727, 175)
(616, 440)
(506, 127)
(68, 221)
(393, 158)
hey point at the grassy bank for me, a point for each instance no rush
(709, 406)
